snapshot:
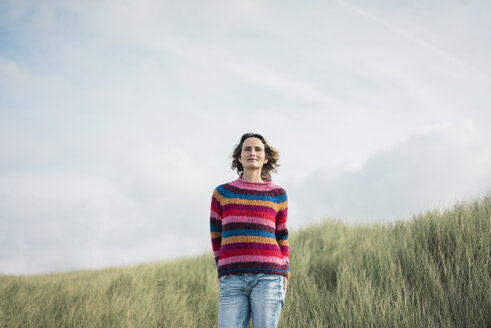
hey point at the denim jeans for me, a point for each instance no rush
(241, 295)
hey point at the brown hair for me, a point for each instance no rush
(271, 153)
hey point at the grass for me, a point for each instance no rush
(431, 271)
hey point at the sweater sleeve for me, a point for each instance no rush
(281, 232)
(216, 225)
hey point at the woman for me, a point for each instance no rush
(250, 238)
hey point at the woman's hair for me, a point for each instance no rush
(271, 153)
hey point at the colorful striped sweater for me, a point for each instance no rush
(248, 228)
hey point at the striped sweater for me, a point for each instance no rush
(248, 228)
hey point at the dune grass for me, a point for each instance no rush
(431, 271)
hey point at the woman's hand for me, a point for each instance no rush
(285, 283)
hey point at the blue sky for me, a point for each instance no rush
(118, 118)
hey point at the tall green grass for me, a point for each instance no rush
(431, 271)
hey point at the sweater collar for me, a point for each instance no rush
(254, 183)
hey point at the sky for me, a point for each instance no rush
(118, 118)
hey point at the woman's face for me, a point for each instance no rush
(253, 156)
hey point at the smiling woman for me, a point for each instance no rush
(254, 147)
(250, 238)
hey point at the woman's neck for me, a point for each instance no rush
(252, 176)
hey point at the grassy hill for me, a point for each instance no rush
(431, 271)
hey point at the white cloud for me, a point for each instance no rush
(418, 40)
(60, 220)
(430, 170)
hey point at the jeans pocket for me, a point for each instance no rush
(275, 285)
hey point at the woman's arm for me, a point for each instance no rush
(282, 231)
(216, 226)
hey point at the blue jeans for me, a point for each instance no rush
(241, 295)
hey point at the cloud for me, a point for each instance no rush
(150, 203)
(420, 41)
(430, 170)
